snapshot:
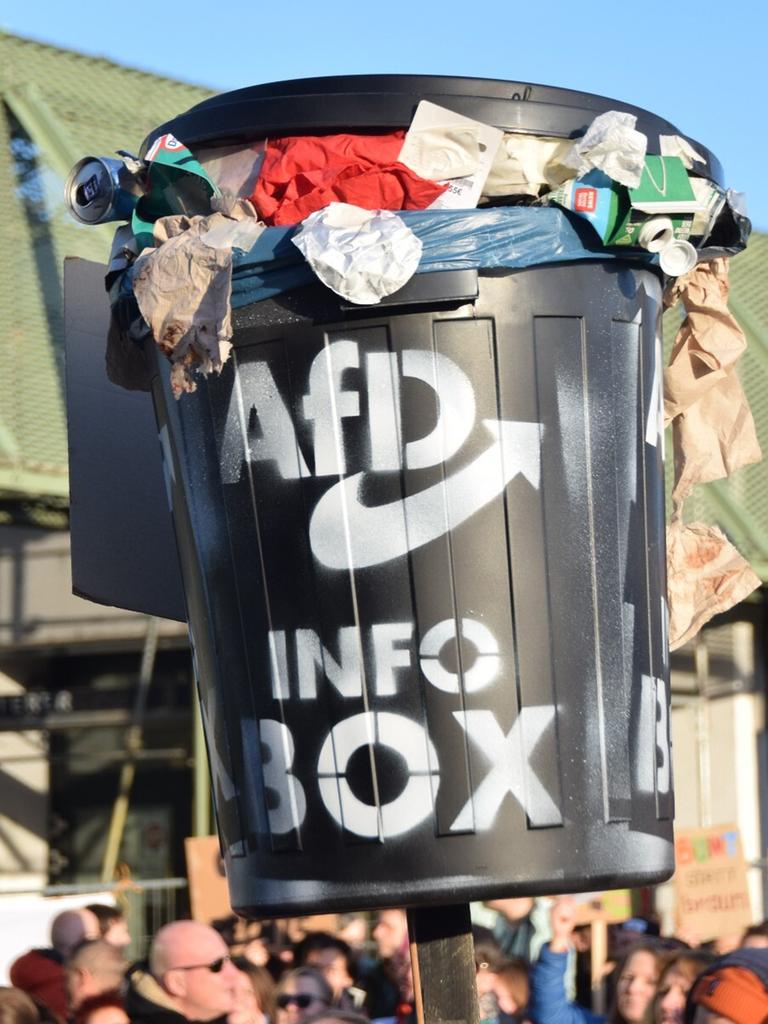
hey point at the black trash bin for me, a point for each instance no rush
(423, 555)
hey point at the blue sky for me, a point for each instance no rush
(702, 66)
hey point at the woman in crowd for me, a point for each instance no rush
(249, 997)
(636, 979)
(255, 994)
(677, 977)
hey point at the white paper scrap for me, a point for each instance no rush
(362, 255)
(676, 145)
(524, 163)
(612, 145)
(233, 234)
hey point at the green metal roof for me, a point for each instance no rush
(59, 106)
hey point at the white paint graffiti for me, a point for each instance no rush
(482, 673)
(510, 772)
(277, 442)
(345, 533)
(374, 663)
(327, 403)
(456, 413)
(342, 527)
(390, 649)
(653, 773)
(289, 801)
(411, 806)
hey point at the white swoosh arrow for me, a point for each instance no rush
(346, 534)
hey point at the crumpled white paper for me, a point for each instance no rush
(524, 163)
(362, 255)
(676, 145)
(611, 145)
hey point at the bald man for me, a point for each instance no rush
(40, 972)
(94, 968)
(189, 977)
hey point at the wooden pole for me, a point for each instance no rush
(133, 744)
(443, 962)
(598, 958)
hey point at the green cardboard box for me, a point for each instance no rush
(665, 190)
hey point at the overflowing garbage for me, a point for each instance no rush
(226, 226)
(482, 198)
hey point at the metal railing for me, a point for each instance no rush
(147, 903)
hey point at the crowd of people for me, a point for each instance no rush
(360, 971)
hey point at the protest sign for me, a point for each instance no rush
(711, 882)
(208, 893)
(611, 906)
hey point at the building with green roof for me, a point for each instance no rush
(81, 661)
(67, 665)
(58, 106)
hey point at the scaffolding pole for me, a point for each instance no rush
(133, 744)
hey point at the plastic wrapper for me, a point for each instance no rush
(233, 169)
(730, 232)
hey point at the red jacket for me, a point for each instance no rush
(40, 973)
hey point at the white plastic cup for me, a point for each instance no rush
(678, 258)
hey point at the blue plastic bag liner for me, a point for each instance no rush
(500, 237)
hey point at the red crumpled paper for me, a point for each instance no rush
(302, 174)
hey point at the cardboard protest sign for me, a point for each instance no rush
(611, 906)
(208, 893)
(711, 882)
(209, 896)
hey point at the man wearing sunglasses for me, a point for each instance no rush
(189, 977)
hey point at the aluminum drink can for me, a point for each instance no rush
(100, 189)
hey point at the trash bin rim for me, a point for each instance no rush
(386, 102)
